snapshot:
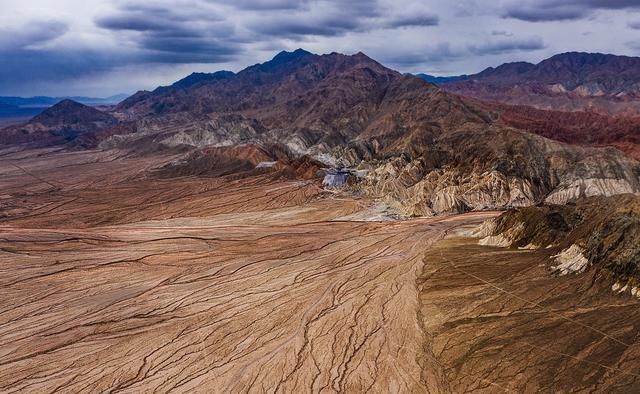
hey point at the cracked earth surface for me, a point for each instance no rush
(120, 284)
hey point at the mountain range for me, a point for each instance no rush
(571, 81)
(46, 101)
(427, 151)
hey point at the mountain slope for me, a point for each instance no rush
(600, 232)
(426, 151)
(576, 127)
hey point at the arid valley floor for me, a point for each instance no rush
(263, 284)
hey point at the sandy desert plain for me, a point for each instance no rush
(115, 280)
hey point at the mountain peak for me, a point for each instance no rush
(196, 78)
(67, 104)
(68, 111)
(284, 56)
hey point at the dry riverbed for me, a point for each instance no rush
(121, 283)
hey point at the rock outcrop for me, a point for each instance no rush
(603, 232)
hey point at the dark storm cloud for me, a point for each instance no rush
(170, 36)
(327, 18)
(558, 10)
(33, 33)
(262, 5)
(419, 19)
(292, 27)
(507, 46)
(21, 62)
(635, 25)
(532, 14)
(131, 22)
(23, 66)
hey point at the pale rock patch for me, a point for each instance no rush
(589, 187)
(571, 260)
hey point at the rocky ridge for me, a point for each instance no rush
(598, 232)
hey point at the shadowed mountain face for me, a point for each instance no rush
(63, 122)
(69, 112)
(571, 81)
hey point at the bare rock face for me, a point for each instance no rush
(589, 187)
(603, 232)
(219, 131)
(488, 176)
(446, 190)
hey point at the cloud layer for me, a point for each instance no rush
(112, 46)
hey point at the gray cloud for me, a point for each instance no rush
(174, 37)
(429, 54)
(419, 19)
(635, 25)
(558, 10)
(264, 5)
(33, 33)
(501, 33)
(507, 46)
(534, 14)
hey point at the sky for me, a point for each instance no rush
(106, 47)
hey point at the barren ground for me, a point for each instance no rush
(114, 281)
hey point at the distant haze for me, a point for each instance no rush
(105, 47)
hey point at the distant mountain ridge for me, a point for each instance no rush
(46, 101)
(608, 84)
(71, 112)
(60, 123)
(440, 80)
